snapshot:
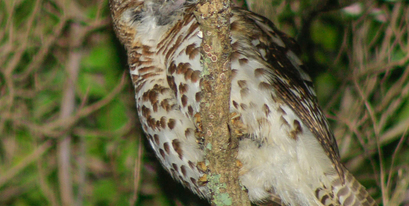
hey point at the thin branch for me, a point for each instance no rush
(67, 108)
(48, 192)
(58, 127)
(82, 169)
(137, 173)
(389, 182)
(13, 171)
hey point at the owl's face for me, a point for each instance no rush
(146, 20)
(157, 12)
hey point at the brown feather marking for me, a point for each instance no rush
(183, 169)
(198, 96)
(166, 147)
(190, 110)
(296, 130)
(163, 122)
(177, 148)
(175, 167)
(184, 100)
(195, 76)
(162, 153)
(188, 74)
(171, 123)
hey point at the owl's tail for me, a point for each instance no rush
(352, 193)
(349, 193)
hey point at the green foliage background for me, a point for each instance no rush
(358, 58)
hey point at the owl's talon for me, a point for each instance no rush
(201, 166)
(203, 180)
(239, 128)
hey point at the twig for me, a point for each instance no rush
(15, 59)
(388, 183)
(13, 171)
(43, 51)
(400, 194)
(137, 173)
(57, 128)
(48, 192)
(82, 169)
(23, 46)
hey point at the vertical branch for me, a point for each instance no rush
(67, 108)
(137, 173)
(81, 171)
(221, 147)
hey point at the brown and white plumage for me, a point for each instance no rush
(288, 152)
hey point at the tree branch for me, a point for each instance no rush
(221, 147)
(67, 108)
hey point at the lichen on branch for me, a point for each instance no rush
(221, 146)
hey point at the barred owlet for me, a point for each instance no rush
(289, 154)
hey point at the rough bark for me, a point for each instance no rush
(221, 147)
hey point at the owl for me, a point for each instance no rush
(288, 152)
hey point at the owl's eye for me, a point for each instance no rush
(136, 16)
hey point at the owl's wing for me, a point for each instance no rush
(293, 85)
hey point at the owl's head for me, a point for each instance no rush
(147, 18)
